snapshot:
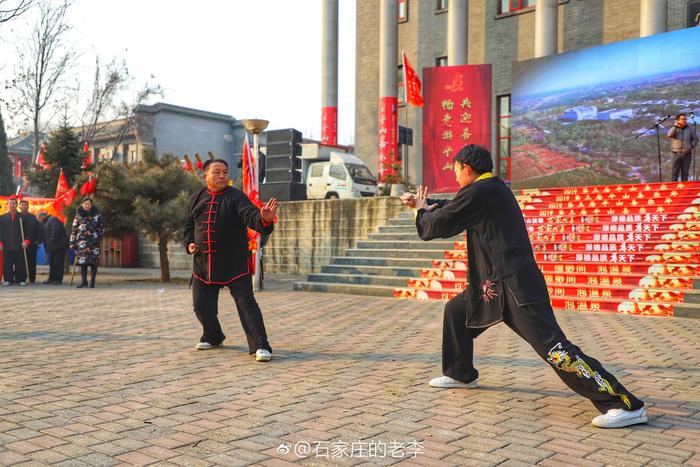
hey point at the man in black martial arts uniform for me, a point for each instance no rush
(34, 233)
(506, 285)
(216, 235)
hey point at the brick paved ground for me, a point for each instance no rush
(115, 379)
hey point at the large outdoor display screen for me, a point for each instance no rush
(580, 118)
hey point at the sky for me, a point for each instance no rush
(248, 59)
(620, 61)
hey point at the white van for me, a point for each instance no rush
(343, 176)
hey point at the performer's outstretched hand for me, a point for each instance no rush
(269, 210)
(192, 248)
(408, 199)
(421, 199)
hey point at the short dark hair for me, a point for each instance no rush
(475, 156)
(24, 201)
(213, 161)
(678, 117)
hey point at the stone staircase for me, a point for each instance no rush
(622, 248)
(382, 263)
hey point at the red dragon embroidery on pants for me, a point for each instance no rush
(489, 293)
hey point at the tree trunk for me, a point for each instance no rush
(164, 263)
(36, 136)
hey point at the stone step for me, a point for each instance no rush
(686, 310)
(389, 229)
(394, 253)
(397, 271)
(406, 236)
(378, 261)
(353, 289)
(406, 245)
(363, 279)
(401, 222)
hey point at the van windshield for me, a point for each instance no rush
(361, 174)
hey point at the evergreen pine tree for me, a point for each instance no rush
(151, 197)
(7, 184)
(63, 151)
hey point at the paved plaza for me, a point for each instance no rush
(110, 376)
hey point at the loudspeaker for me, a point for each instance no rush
(282, 162)
(282, 175)
(283, 149)
(283, 191)
(289, 135)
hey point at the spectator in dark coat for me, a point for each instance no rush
(32, 232)
(55, 244)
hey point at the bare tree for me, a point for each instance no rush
(101, 107)
(128, 112)
(44, 61)
(11, 9)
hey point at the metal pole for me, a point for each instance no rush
(546, 19)
(257, 277)
(329, 76)
(457, 33)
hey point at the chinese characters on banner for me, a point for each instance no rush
(457, 112)
(329, 126)
(388, 137)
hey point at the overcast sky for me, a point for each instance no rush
(258, 58)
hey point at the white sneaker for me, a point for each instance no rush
(263, 355)
(22, 284)
(446, 382)
(5, 284)
(206, 346)
(618, 418)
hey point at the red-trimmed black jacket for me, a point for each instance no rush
(217, 222)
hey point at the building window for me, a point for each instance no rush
(503, 162)
(506, 6)
(400, 91)
(440, 6)
(403, 11)
(441, 61)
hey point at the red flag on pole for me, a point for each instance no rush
(62, 185)
(250, 189)
(412, 84)
(40, 161)
(87, 162)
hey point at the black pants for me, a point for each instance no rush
(83, 274)
(681, 166)
(13, 267)
(31, 260)
(57, 259)
(206, 298)
(538, 326)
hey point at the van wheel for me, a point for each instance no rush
(332, 196)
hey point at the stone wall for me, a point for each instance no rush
(310, 233)
(307, 236)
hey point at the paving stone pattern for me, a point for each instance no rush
(110, 376)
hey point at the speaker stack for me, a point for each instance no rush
(283, 167)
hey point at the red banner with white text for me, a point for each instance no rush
(388, 139)
(457, 112)
(329, 126)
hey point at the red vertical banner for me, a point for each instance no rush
(388, 138)
(457, 112)
(329, 126)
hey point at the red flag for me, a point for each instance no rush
(411, 84)
(62, 186)
(40, 161)
(250, 189)
(88, 156)
(88, 187)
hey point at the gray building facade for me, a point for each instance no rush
(499, 32)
